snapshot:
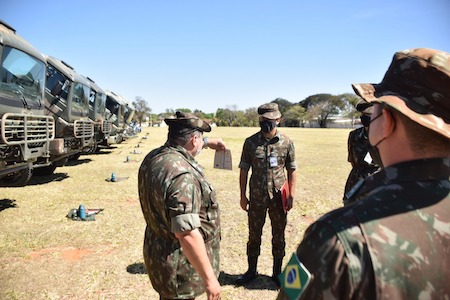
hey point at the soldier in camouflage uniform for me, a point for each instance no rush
(181, 244)
(363, 157)
(395, 242)
(267, 153)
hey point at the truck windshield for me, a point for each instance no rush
(80, 99)
(57, 84)
(101, 103)
(97, 102)
(22, 75)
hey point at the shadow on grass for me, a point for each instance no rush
(77, 162)
(137, 268)
(37, 180)
(261, 282)
(7, 203)
(100, 152)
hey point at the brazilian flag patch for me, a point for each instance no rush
(295, 278)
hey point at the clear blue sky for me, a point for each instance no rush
(228, 54)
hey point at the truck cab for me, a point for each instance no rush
(67, 101)
(128, 113)
(98, 115)
(26, 132)
(115, 106)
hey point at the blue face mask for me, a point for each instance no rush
(267, 125)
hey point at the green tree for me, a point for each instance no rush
(186, 110)
(283, 104)
(251, 117)
(225, 117)
(350, 101)
(142, 110)
(294, 116)
(322, 106)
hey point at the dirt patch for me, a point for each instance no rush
(68, 254)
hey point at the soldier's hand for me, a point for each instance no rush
(244, 203)
(289, 203)
(216, 144)
(212, 288)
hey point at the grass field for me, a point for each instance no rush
(44, 255)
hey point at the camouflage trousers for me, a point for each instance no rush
(257, 212)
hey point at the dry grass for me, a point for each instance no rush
(44, 255)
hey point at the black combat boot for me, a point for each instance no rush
(251, 272)
(277, 263)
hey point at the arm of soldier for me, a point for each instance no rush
(322, 254)
(291, 166)
(214, 143)
(243, 176)
(292, 181)
(195, 251)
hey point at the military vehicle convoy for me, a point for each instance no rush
(128, 113)
(115, 106)
(49, 113)
(67, 101)
(26, 132)
(97, 114)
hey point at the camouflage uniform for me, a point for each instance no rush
(176, 197)
(358, 147)
(395, 243)
(265, 185)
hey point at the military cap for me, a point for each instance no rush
(417, 84)
(269, 111)
(185, 122)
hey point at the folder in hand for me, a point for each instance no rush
(285, 194)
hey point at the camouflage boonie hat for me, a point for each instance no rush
(269, 111)
(417, 84)
(186, 122)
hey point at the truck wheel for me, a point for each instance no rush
(17, 179)
(92, 149)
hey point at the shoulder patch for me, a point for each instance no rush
(295, 278)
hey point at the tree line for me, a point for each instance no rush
(318, 108)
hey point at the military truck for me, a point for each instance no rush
(128, 113)
(67, 101)
(97, 114)
(25, 131)
(115, 106)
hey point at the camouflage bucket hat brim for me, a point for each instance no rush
(417, 84)
(187, 121)
(269, 111)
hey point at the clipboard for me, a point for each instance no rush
(223, 160)
(285, 194)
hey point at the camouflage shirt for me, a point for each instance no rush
(175, 197)
(393, 244)
(268, 159)
(358, 148)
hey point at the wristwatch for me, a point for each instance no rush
(205, 142)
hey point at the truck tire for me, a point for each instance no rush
(17, 179)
